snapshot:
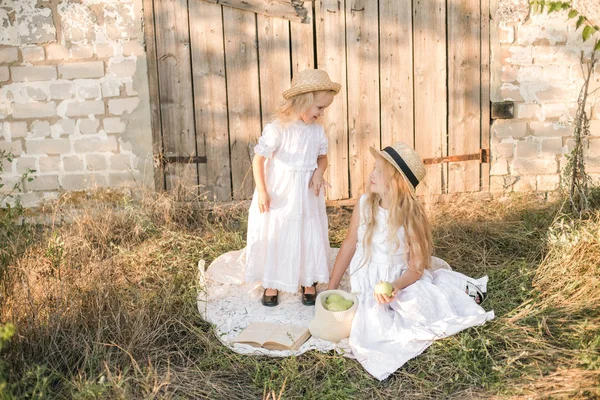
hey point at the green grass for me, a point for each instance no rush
(104, 308)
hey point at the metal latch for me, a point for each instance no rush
(483, 156)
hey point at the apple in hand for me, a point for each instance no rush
(384, 288)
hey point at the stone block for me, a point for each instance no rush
(95, 144)
(120, 162)
(33, 73)
(499, 167)
(552, 146)
(124, 68)
(63, 127)
(551, 129)
(509, 73)
(527, 148)
(48, 146)
(104, 50)
(508, 128)
(123, 106)
(96, 162)
(36, 93)
(81, 51)
(61, 91)
(18, 129)
(122, 179)
(530, 73)
(4, 74)
(9, 55)
(548, 182)
(528, 111)
(36, 25)
(114, 125)
(88, 90)
(133, 48)
(15, 147)
(506, 34)
(525, 184)
(33, 53)
(25, 164)
(56, 51)
(89, 126)
(534, 166)
(43, 182)
(40, 129)
(33, 110)
(553, 73)
(82, 181)
(72, 163)
(82, 70)
(49, 164)
(111, 88)
(85, 108)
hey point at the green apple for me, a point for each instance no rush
(337, 306)
(347, 304)
(384, 288)
(333, 298)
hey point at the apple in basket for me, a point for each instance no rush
(384, 288)
(335, 302)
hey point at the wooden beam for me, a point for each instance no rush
(292, 10)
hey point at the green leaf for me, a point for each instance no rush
(597, 46)
(587, 32)
(30, 179)
(566, 6)
(573, 14)
(580, 21)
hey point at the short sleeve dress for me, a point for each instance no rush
(289, 245)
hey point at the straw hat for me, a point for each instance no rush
(405, 160)
(311, 80)
(332, 325)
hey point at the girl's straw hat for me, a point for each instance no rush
(405, 160)
(311, 80)
(331, 325)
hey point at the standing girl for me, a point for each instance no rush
(389, 240)
(288, 242)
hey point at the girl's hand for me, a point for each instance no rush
(317, 182)
(384, 298)
(264, 201)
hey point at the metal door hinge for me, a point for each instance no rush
(483, 156)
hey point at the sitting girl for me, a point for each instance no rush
(389, 240)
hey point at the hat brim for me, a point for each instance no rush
(329, 87)
(389, 159)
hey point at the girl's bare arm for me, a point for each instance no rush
(346, 251)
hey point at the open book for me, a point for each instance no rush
(273, 336)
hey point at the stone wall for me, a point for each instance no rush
(536, 64)
(74, 101)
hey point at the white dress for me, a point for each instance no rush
(289, 245)
(385, 336)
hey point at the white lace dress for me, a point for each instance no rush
(289, 245)
(384, 337)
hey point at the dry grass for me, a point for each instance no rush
(104, 307)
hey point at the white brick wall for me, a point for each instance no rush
(68, 93)
(535, 63)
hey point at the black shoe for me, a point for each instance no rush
(309, 299)
(475, 293)
(270, 301)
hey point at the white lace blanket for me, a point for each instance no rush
(230, 304)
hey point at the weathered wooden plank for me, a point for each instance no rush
(464, 100)
(303, 50)
(292, 10)
(210, 98)
(241, 60)
(429, 22)
(396, 72)
(363, 89)
(274, 63)
(331, 57)
(485, 89)
(176, 97)
(153, 90)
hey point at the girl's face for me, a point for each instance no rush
(322, 100)
(377, 177)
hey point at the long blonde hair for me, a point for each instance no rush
(404, 211)
(291, 109)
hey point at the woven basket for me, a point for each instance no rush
(332, 325)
